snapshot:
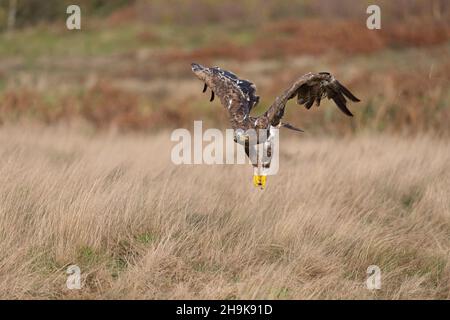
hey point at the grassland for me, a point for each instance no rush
(86, 176)
(140, 227)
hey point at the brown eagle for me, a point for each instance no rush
(239, 97)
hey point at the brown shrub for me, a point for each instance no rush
(417, 33)
(315, 36)
(104, 105)
(122, 15)
(17, 104)
(227, 50)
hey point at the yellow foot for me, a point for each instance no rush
(259, 181)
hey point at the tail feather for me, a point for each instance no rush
(291, 127)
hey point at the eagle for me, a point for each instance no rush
(238, 96)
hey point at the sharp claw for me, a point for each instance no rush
(263, 182)
(212, 96)
(204, 87)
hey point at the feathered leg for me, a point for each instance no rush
(259, 180)
(262, 165)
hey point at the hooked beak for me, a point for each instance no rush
(200, 71)
(196, 67)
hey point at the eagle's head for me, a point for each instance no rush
(203, 73)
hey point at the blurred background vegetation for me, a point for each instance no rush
(129, 65)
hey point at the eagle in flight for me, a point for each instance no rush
(239, 97)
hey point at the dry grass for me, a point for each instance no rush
(140, 227)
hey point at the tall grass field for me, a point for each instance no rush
(140, 227)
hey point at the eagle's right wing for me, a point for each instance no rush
(238, 96)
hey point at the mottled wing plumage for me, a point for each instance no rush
(238, 96)
(309, 89)
(247, 88)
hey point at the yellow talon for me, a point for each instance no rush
(259, 181)
(256, 180)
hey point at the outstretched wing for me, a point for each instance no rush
(238, 96)
(309, 89)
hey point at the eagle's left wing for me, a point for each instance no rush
(310, 89)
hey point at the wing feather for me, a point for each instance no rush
(238, 96)
(347, 92)
(246, 87)
(310, 88)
